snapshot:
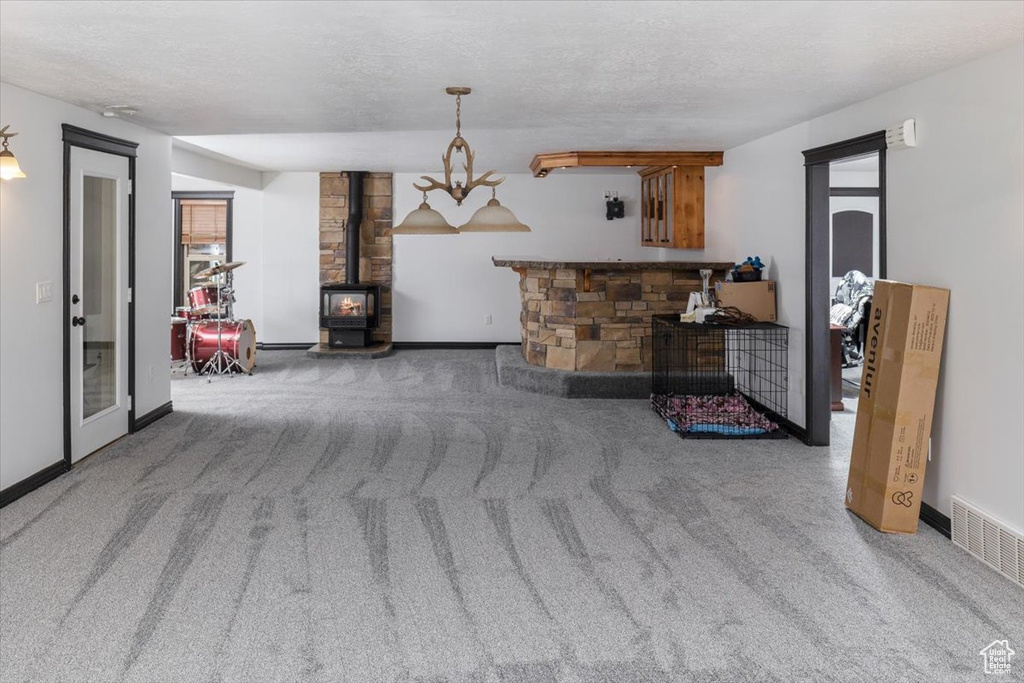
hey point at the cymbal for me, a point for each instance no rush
(222, 268)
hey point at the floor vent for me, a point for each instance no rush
(989, 540)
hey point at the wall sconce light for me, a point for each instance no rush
(8, 164)
(614, 207)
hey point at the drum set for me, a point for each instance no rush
(205, 335)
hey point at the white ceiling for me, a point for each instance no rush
(360, 84)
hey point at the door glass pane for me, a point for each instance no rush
(99, 294)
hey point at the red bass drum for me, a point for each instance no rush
(237, 340)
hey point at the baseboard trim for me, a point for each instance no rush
(410, 345)
(152, 416)
(936, 520)
(285, 346)
(29, 484)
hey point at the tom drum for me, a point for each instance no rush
(204, 296)
(237, 340)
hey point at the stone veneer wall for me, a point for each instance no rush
(567, 325)
(374, 239)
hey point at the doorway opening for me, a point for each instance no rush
(857, 260)
(845, 253)
(202, 237)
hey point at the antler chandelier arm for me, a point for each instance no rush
(446, 160)
(482, 180)
(458, 191)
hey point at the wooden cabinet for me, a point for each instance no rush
(672, 207)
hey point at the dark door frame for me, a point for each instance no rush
(817, 264)
(73, 136)
(229, 196)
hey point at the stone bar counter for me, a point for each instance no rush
(596, 315)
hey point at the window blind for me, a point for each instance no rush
(204, 221)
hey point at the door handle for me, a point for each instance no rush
(75, 322)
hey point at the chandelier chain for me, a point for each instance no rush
(458, 116)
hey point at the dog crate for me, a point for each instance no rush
(720, 380)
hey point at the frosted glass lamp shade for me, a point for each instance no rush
(493, 217)
(9, 166)
(424, 221)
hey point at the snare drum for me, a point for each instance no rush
(237, 339)
(179, 339)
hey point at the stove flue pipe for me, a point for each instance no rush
(355, 219)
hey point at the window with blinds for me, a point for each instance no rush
(204, 221)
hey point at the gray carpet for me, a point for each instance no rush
(515, 373)
(408, 520)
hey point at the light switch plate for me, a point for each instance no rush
(44, 292)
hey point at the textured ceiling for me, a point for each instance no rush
(546, 75)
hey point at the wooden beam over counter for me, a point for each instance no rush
(543, 164)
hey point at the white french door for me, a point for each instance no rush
(98, 278)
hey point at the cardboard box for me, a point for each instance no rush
(755, 298)
(897, 398)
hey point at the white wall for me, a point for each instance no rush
(955, 211)
(246, 243)
(852, 178)
(31, 251)
(291, 258)
(445, 285)
(277, 233)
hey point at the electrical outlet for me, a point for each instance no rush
(44, 292)
(487, 319)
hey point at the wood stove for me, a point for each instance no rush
(348, 311)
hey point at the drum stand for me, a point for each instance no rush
(183, 365)
(220, 363)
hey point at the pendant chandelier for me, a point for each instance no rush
(490, 218)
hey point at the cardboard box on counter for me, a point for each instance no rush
(897, 398)
(755, 298)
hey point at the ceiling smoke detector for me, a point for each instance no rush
(117, 111)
